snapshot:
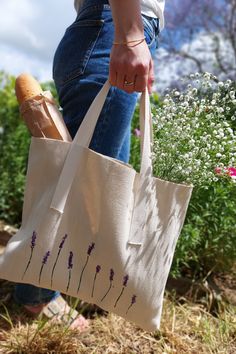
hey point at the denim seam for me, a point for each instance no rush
(86, 23)
(87, 56)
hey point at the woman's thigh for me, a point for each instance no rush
(81, 67)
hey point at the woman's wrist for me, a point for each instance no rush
(127, 20)
(128, 35)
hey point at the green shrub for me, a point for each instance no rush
(14, 147)
(208, 239)
(14, 144)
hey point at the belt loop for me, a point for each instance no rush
(92, 3)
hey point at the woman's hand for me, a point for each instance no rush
(131, 65)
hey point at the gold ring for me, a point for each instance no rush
(128, 83)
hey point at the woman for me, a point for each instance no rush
(115, 39)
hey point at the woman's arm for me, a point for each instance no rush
(130, 63)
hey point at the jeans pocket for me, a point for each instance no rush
(74, 50)
(151, 26)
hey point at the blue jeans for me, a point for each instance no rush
(80, 68)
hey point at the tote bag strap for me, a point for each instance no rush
(145, 121)
(84, 136)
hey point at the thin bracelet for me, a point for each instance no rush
(124, 43)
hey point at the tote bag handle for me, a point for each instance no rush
(84, 136)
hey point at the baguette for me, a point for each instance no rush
(39, 110)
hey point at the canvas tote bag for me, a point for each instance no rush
(94, 228)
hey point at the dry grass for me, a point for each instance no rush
(186, 328)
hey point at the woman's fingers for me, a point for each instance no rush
(129, 83)
(141, 82)
(131, 68)
(120, 80)
(112, 75)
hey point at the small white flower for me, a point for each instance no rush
(220, 110)
(207, 75)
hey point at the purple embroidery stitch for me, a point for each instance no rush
(111, 274)
(33, 240)
(133, 301)
(98, 268)
(125, 281)
(44, 261)
(45, 258)
(111, 277)
(58, 254)
(70, 266)
(63, 241)
(32, 246)
(90, 249)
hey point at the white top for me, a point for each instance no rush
(152, 8)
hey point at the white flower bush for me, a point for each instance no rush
(194, 142)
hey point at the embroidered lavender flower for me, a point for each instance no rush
(44, 261)
(32, 246)
(58, 254)
(98, 268)
(112, 273)
(125, 281)
(63, 241)
(70, 266)
(45, 258)
(133, 301)
(90, 249)
(33, 240)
